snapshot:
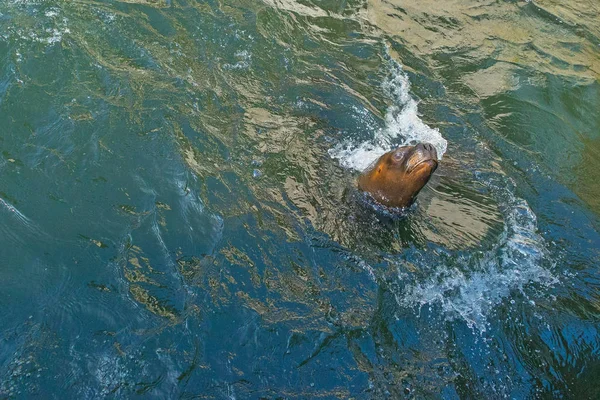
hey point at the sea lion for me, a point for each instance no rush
(395, 179)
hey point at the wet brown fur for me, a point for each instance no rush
(396, 178)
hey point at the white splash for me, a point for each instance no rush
(402, 127)
(487, 279)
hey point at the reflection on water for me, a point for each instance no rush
(179, 216)
(546, 36)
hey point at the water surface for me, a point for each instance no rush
(178, 215)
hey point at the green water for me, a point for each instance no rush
(179, 217)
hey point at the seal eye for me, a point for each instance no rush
(398, 155)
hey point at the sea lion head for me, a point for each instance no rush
(396, 178)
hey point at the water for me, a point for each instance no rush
(178, 215)
(402, 126)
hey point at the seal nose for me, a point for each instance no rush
(427, 148)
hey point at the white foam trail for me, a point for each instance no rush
(402, 127)
(515, 262)
(17, 214)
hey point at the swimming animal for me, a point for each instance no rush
(395, 179)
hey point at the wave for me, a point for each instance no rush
(17, 226)
(402, 126)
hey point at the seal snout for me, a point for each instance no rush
(423, 154)
(426, 151)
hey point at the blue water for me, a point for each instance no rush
(179, 216)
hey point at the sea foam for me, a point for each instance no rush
(402, 126)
